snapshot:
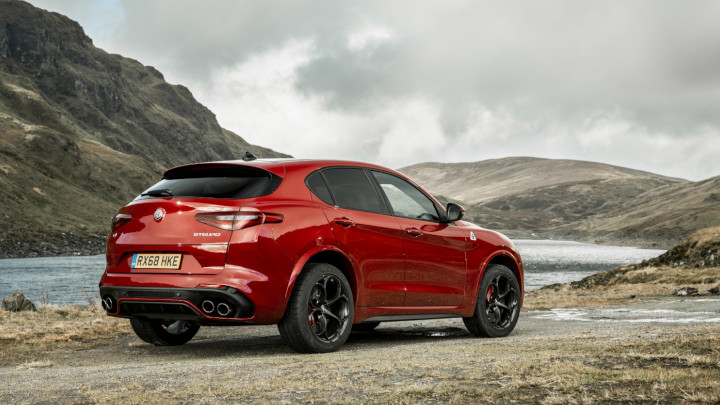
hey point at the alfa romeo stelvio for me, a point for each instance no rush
(320, 248)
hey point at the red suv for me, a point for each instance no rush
(319, 248)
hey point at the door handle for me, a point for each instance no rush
(346, 222)
(413, 232)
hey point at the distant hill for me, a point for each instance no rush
(83, 131)
(574, 199)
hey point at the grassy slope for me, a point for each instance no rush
(82, 131)
(575, 199)
(489, 180)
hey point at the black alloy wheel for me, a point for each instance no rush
(498, 304)
(318, 318)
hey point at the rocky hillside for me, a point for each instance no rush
(83, 131)
(691, 265)
(578, 200)
(701, 249)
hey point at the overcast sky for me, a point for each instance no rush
(630, 83)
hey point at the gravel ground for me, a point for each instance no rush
(402, 362)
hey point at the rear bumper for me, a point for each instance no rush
(202, 305)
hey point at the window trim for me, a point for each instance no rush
(327, 186)
(442, 215)
(384, 206)
(384, 201)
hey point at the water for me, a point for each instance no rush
(553, 261)
(70, 280)
(66, 280)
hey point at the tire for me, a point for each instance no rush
(318, 318)
(365, 326)
(498, 304)
(164, 333)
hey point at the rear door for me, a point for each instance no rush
(371, 239)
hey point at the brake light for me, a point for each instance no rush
(233, 221)
(120, 220)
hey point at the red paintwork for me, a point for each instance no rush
(396, 266)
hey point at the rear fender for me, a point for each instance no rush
(312, 254)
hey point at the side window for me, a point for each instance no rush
(352, 189)
(316, 184)
(406, 200)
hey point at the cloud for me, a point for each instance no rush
(628, 83)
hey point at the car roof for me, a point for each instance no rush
(278, 166)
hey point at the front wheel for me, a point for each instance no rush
(164, 333)
(318, 318)
(498, 303)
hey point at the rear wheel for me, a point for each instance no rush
(318, 318)
(164, 333)
(498, 303)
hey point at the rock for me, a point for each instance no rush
(686, 291)
(17, 302)
(715, 290)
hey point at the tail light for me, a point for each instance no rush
(120, 220)
(233, 221)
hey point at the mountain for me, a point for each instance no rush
(82, 132)
(574, 199)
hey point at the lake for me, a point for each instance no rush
(74, 280)
(554, 261)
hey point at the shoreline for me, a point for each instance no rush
(64, 245)
(605, 240)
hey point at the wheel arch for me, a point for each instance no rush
(325, 254)
(508, 260)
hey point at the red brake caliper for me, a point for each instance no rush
(489, 294)
(312, 318)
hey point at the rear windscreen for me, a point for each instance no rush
(228, 182)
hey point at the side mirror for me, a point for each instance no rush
(454, 212)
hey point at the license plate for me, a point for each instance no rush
(156, 261)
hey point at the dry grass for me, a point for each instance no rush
(673, 367)
(52, 324)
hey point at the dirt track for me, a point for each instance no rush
(430, 361)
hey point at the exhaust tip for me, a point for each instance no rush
(108, 303)
(223, 309)
(208, 306)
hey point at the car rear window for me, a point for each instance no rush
(214, 181)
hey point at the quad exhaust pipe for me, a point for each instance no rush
(210, 308)
(108, 304)
(223, 309)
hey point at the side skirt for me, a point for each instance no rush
(387, 314)
(419, 317)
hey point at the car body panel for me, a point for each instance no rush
(392, 272)
(374, 245)
(430, 281)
